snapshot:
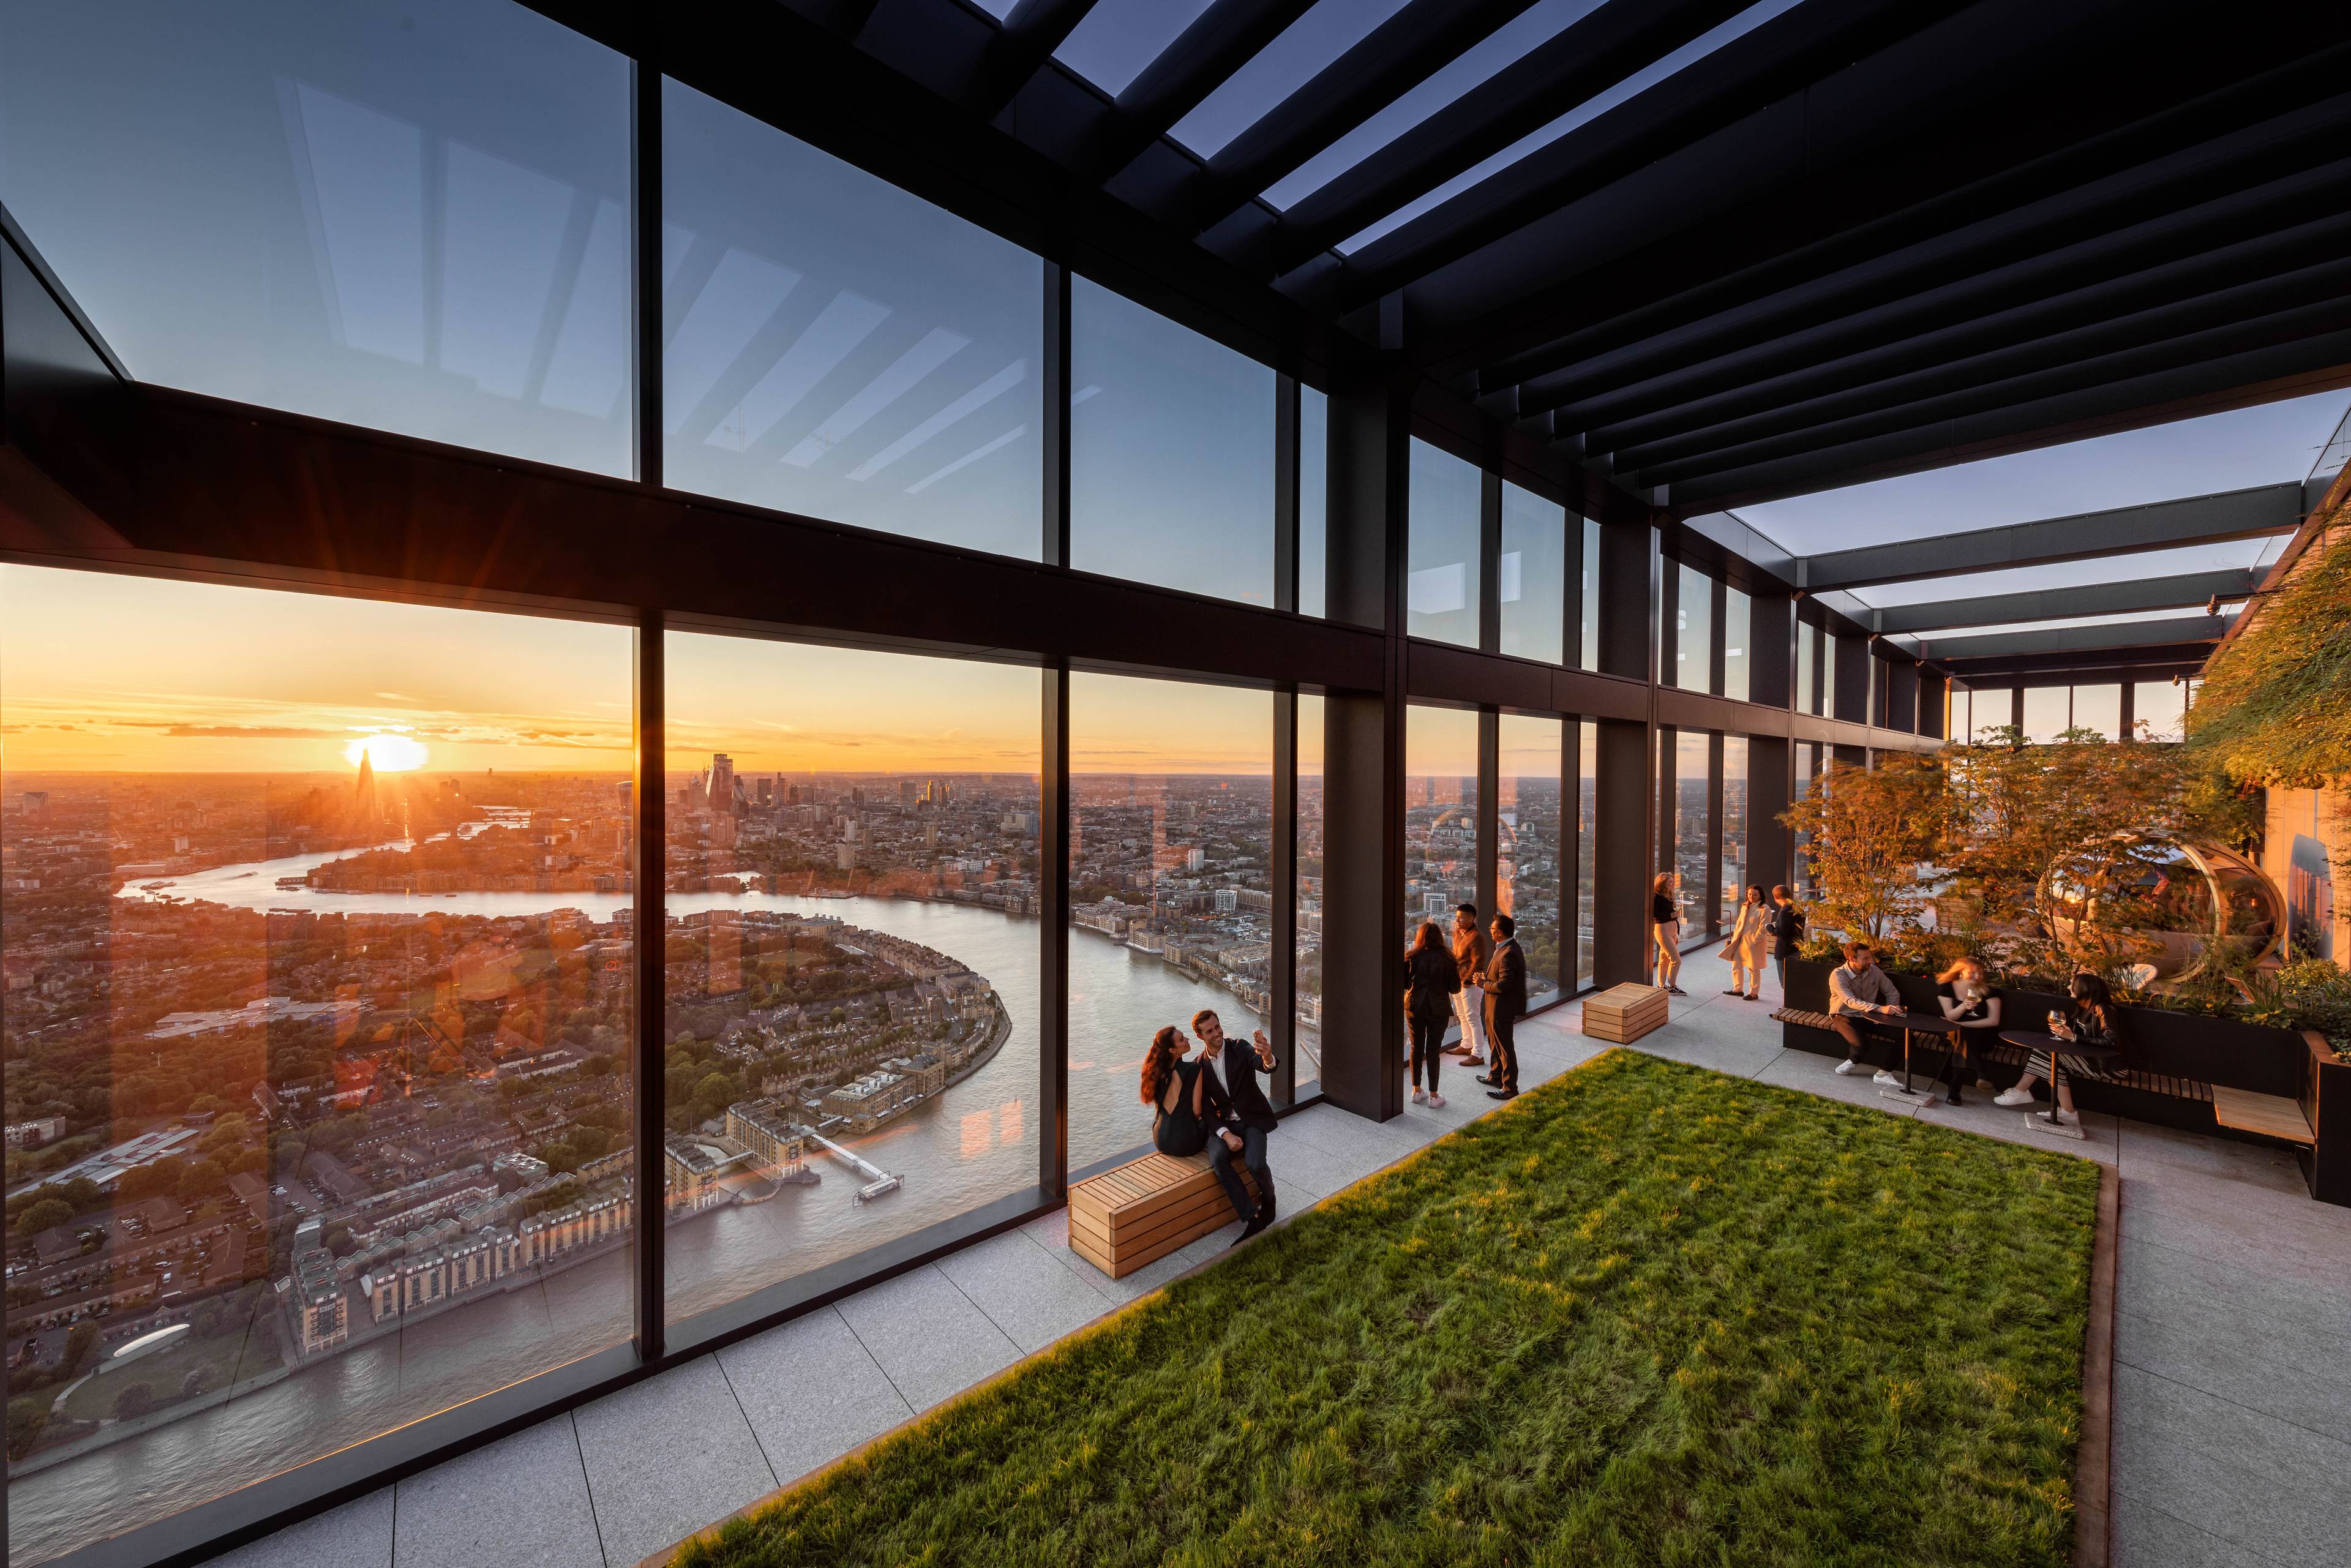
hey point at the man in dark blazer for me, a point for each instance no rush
(1252, 1117)
(1505, 1004)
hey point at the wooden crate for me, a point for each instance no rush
(1624, 1013)
(1146, 1208)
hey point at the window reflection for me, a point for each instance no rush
(318, 995)
(2158, 709)
(1441, 806)
(1310, 892)
(2100, 709)
(838, 348)
(1587, 843)
(1171, 452)
(1693, 823)
(410, 216)
(1171, 896)
(1313, 500)
(852, 959)
(1528, 846)
(2047, 712)
(1734, 828)
(1532, 575)
(1738, 628)
(1442, 545)
(1694, 630)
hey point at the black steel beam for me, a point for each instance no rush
(1394, 58)
(1032, 30)
(1580, 62)
(1217, 43)
(2076, 639)
(2177, 592)
(2158, 524)
(649, 950)
(1780, 59)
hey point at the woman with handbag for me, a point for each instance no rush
(1431, 978)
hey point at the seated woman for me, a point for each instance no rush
(1964, 993)
(2088, 1017)
(1189, 1105)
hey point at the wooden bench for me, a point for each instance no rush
(1623, 1014)
(1146, 1208)
(2007, 1055)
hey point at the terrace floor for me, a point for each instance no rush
(2233, 1402)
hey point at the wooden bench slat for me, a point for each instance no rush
(1124, 1218)
(2271, 1115)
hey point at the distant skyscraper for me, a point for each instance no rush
(722, 782)
(365, 794)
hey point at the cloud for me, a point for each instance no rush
(242, 731)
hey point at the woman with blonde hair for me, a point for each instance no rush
(1666, 915)
(1965, 994)
(1748, 934)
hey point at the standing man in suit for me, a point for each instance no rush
(1506, 1003)
(1253, 1115)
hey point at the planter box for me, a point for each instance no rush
(2223, 1051)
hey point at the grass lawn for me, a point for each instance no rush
(1647, 1314)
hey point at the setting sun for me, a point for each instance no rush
(390, 753)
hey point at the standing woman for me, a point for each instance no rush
(1749, 934)
(1431, 979)
(1665, 913)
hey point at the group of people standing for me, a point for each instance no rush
(1213, 1100)
(1762, 927)
(1479, 978)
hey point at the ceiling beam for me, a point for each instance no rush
(1032, 32)
(1220, 41)
(1394, 58)
(2076, 639)
(1582, 60)
(2160, 525)
(2183, 592)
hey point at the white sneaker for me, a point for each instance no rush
(1887, 1079)
(1418, 1098)
(2013, 1097)
(1847, 1066)
(1436, 1101)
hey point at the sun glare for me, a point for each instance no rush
(390, 753)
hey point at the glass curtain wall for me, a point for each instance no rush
(1528, 847)
(1737, 623)
(2100, 709)
(1694, 630)
(1313, 500)
(2159, 710)
(852, 958)
(1808, 769)
(1588, 602)
(1808, 668)
(1171, 856)
(412, 216)
(1691, 766)
(1171, 452)
(326, 902)
(1442, 543)
(1532, 575)
(1587, 843)
(838, 348)
(1440, 820)
(1734, 827)
(1991, 708)
(2047, 710)
(1309, 893)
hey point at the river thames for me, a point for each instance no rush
(971, 1145)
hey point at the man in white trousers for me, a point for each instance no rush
(1472, 952)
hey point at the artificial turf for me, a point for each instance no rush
(1646, 1314)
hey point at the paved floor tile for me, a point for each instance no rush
(811, 1392)
(666, 1456)
(521, 1502)
(356, 1535)
(927, 1336)
(1024, 1290)
(2145, 1536)
(2255, 1481)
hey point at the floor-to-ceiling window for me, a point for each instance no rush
(1443, 529)
(2159, 708)
(1990, 708)
(1810, 666)
(1171, 896)
(323, 905)
(1588, 601)
(1533, 576)
(1171, 452)
(1689, 764)
(852, 965)
(1309, 893)
(1529, 848)
(1587, 843)
(1440, 814)
(2047, 712)
(1693, 632)
(1737, 630)
(1808, 769)
(1313, 500)
(1734, 827)
(839, 348)
(2100, 709)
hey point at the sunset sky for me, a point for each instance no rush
(113, 673)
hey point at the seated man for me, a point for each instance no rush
(1252, 1113)
(1859, 991)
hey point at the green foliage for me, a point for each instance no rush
(134, 1402)
(1649, 1314)
(1873, 831)
(39, 1217)
(2275, 704)
(2311, 993)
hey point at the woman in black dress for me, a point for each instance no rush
(1188, 1106)
(1431, 979)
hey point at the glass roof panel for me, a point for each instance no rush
(1583, 113)
(2270, 444)
(1470, 70)
(1119, 37)
(1305, 48)
(2139, 566)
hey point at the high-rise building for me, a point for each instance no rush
(722, 782)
